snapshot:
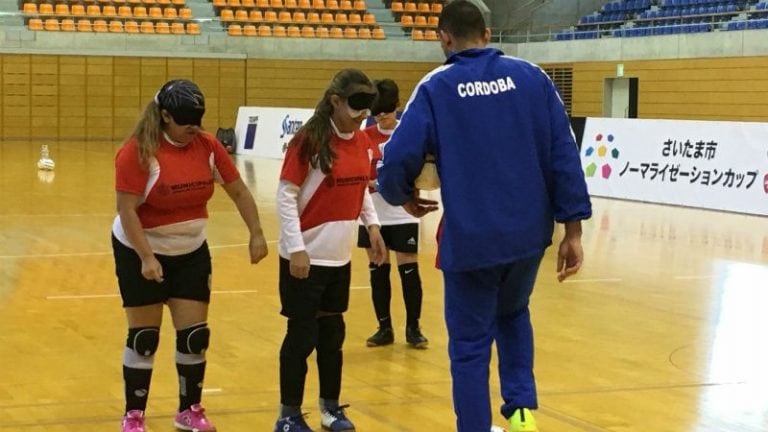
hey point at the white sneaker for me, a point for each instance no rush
(498, 429)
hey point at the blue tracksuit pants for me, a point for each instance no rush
(483, 306)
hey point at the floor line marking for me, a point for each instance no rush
(97, 296)
(78, 254)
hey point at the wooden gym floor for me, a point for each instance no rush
(665, 329)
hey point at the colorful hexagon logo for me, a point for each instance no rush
(590, 151)
(615, 153)
(610, 138)
(602, 150)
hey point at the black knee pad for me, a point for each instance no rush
(143, 340)
(300, 338)
(332, 332)
(193, 340)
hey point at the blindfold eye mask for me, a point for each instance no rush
(361, 101)
(187, 116)
(382, 108)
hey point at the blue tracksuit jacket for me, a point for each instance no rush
(506, 156)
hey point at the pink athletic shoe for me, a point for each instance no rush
(193, 419)
(133, 421)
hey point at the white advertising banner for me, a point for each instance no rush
(713, 165)
(265, 132)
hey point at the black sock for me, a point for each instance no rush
(409, 275)
(136, 387)
(381, 293)
(190, 384)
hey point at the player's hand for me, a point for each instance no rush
(378, 247)
(419, 207)
(570, 255)
(151, 269)
(299, 266)
(257, 246)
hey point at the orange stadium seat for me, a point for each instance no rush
(100, 26)
(318, 4)
(279, 31)
(322, 32)
(360, 5)
(350, 33)
(131, 26)
(68, 25)
(270, 16)
(140, 11)
(410, 7)
(30, 8)
(326, 18)
(417, 35)
(35, 24)
(178, 2)
(233, 3)
(284, 17)
(226, 15)
(109, 11)
(299, 17)
(155, 12)
(308, 32)
(84, 25)
(294, 31)
(341, 18)
(305, 4)
(313, 18)
(276, 4)
(262, 4)
(332, 5)
(234, 30)
(420, 21)
(355, 19)
(52, 24)
(241, 15)
(433, 20)
(177, 28)
(147, 27)
(250, 30)
(265, 31)
(125, 11)
(185, 13)
(378, 33)
(219, 3)
(164, 2)
(248, 3)
(115, 27)
(423, 7)
(291, 4)
(46, 9)
(369, 18)
(193, 28)
(61, 9)
(430, 35)
(406, 21)
(346, 5)
(170, 13)
(437, 8)
(162, 28)
(364, 33)
(256, 16)
(77, 10)
(148, 2)
(92, 10)
(397, 6)
(337, 33)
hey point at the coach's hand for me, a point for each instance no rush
(419, 207)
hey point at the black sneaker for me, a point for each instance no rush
(414, 338)
(383, 336)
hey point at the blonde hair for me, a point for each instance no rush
(148, 131)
